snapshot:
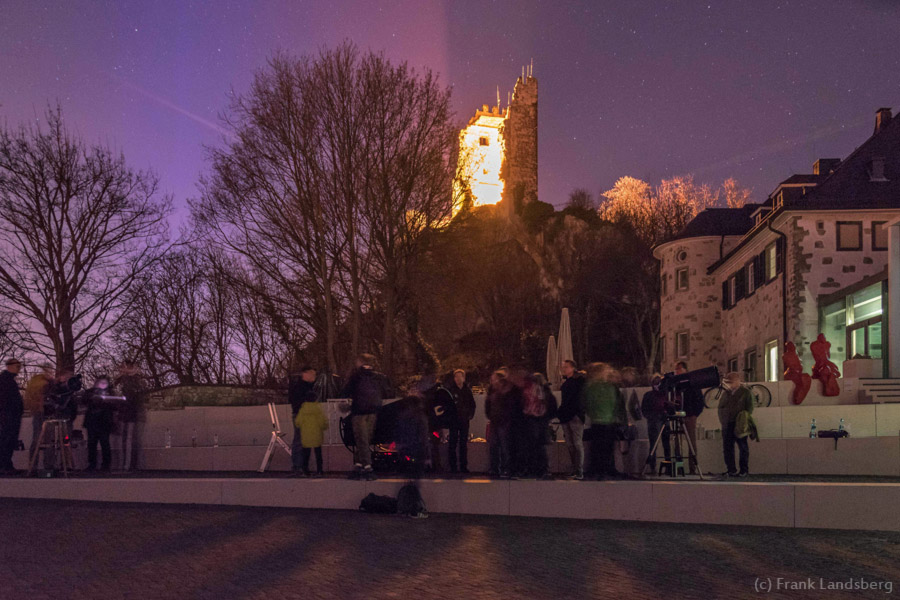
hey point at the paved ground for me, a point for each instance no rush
(54, 549)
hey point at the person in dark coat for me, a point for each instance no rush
(11, 409)
(132, 413)
(539, 408)
(503, 408)
(464, 402)
(441, 415)
(571, 416)
(299, 387)
(411, 434)
(99, 418)
(367, 390)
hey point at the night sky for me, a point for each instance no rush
(752, 90)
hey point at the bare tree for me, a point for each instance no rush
(78, 227)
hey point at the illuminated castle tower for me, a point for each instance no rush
(498, 150)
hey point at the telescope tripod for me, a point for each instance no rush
(675, 428)
(54, 436)
(277, 439)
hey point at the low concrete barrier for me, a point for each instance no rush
(809, 505)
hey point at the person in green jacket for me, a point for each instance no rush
(604, 405)
(735, 399)
(312, 424)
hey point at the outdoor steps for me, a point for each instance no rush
(880, 391)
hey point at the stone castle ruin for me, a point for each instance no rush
(499, 152)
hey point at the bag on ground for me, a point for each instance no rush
(375, 504)
(409, 501)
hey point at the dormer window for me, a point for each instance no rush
(876, 169)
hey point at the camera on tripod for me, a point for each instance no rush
(60, 401)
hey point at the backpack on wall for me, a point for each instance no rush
(410, 503)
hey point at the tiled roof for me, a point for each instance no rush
(719, 221)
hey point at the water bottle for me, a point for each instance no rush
(215, 440)
(812, 430)
(168, 438)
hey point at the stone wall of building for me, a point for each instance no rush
(820, 269)
(697, 309)
(519, 133)
(754, 320)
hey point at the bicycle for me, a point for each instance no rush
(762, 397)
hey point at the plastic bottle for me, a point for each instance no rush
(168, 438)
(812, 430)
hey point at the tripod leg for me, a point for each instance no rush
(37, 449)
(662, 431)
(269, 451)
(693, 454)
(284, 445)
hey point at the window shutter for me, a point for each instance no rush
(760, 264)
(740, 279)
(779, 255)
(725, 302)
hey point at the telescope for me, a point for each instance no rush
(699, 379)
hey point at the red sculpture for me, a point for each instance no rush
(793, 371)
(825, 370)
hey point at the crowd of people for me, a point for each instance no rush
(109, 406)
(519, 408)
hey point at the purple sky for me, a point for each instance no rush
(753, 90)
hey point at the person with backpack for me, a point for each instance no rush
(654, 408)
(571, 416)
(367, 390)
(312, 423)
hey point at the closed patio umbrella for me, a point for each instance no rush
(553, 375)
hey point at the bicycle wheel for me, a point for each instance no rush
(762, 397)
(711, 397)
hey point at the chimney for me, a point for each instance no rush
(882, 118)
(824, 166)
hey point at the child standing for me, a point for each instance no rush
(312, 424)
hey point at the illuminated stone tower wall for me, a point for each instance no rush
(499, 150)
(519, 134)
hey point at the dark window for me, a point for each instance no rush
(682, 340)
(664, 284)
(732, 364)
(750, 277)
(681, 279)
(662, 350)
(484, 141)
(726, 299)
(750, 365)
(879, 236)
(849, 235)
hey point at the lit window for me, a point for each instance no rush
(751, 278)
(771, 262)
(682, 339)
(772, 360)
(681, 279)
(849, 235)
(879, 236)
